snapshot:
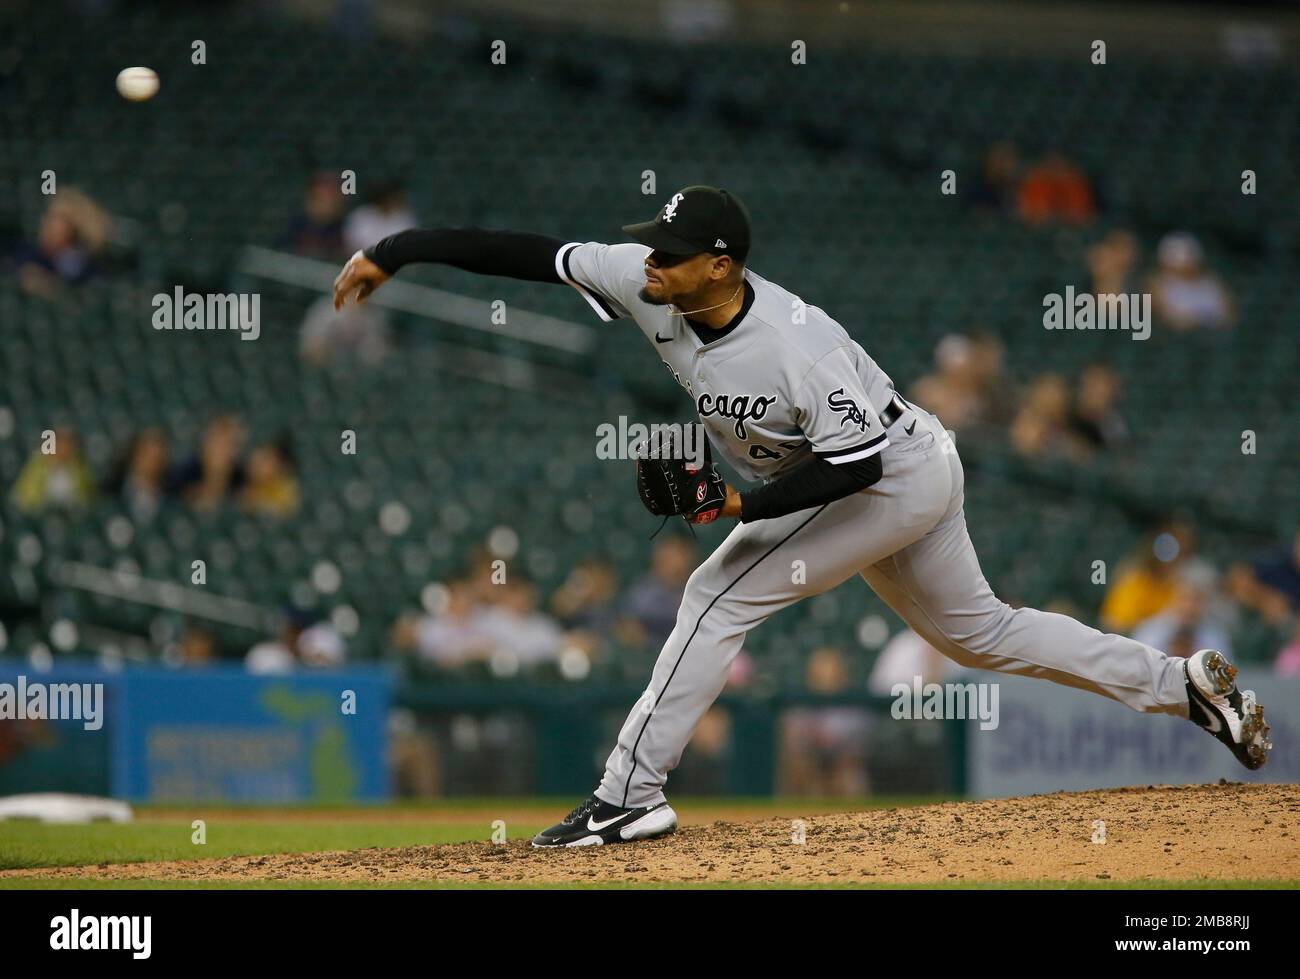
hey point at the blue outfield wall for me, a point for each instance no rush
(210, 735)
(219, 735)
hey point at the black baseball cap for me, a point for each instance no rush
(697, 219)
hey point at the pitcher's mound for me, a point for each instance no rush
(1188, 833)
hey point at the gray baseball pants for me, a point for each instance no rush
(907, 537)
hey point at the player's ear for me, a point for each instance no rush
(721, 267)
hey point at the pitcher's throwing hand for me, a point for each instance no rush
(359, 278)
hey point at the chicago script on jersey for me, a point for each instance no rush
(741, 407)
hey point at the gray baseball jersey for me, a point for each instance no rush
(786, 383)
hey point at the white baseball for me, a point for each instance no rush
(137, 84)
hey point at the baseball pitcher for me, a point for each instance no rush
(851, 480)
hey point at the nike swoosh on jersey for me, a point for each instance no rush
(659, 339)
(911, 428)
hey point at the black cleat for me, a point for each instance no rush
(1231, 715)
(596, 822)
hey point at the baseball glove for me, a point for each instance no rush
(672, 485)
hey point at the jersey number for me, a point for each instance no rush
(763, 452)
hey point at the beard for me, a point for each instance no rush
(647, 297)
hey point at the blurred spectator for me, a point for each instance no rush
(905, 657)
(1184, 294)
(1288, 657)
(270, 488)
(586, 603)
(995, 188)
(650, 606)
(948, 391)
(355, 334)
(139, 479)
(316, 230)
(483, 575)
(996, 392)
(1112, 264)
(1055, 190)
(1145, 584)
(456, 634)
(968, 387)
(208, 479)
(321, 646)
(197, 648)
(275, 656)
(385, 215)
(704, 769)
(301, 643)
(1270, 585)
(1185, 625)
(824, 749)
(742, 672)
(519, 633)
(1095, 419)
(508, 632)
(72, 230)
(1042, 426)
(413, 752)
(57, 480)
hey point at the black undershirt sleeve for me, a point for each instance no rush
(517, 254)
(522, 255)
(809, 486)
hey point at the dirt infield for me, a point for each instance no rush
(1220, 832)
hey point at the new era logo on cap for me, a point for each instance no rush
(697, 219)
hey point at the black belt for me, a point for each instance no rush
(895, 410)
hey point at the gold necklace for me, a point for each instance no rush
(707, 308)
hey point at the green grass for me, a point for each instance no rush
(164, 832)
(38, 845)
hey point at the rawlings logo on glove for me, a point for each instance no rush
(671, 486)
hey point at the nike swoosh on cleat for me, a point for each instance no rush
(1214, 723)
(596, 827)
